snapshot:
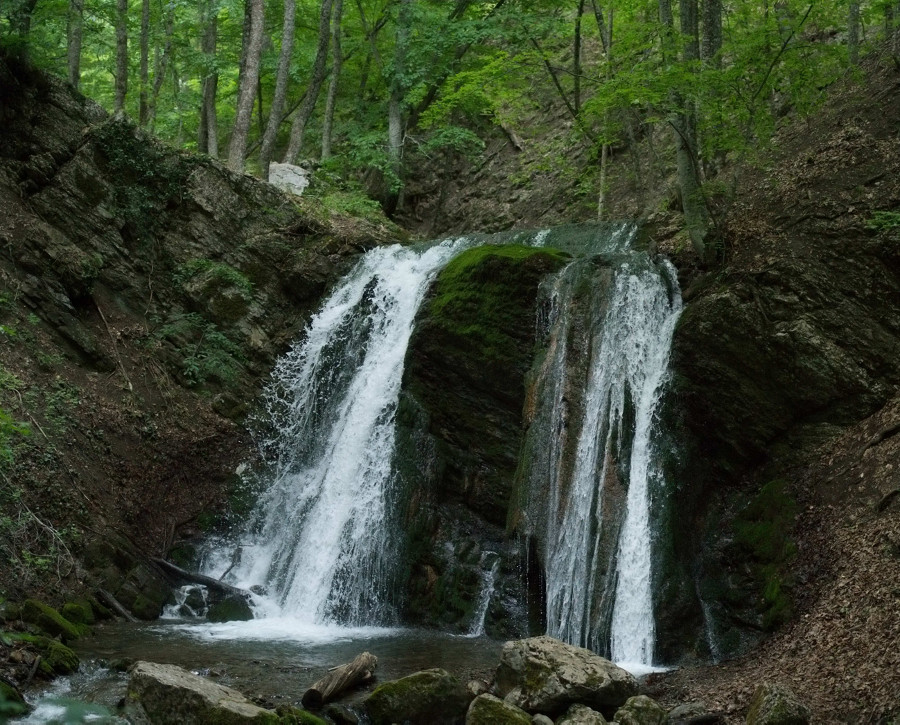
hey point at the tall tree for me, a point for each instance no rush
(251, 54)
(336, 62)
(317, 77)
(395, 103)
(853, 32)
(161, 61)
(208, 128)
(121, 54)
(281, 83)
(144, 70)
(74, 34)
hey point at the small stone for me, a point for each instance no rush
(641, 710)
(540, 720)
(582, 715)
(489, 710)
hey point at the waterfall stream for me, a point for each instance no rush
(322, 543)
(323, 546)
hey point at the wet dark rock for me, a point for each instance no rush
(231, 608)
(774, 704)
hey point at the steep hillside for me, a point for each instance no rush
(145, 294)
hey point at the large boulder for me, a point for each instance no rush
(429, 697)
(776, 705)
(489, 710)
(542, 674)
(162, 694)
(641, 710)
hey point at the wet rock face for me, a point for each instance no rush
(460, 431)
(545, 675)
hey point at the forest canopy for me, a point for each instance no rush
(355, 84)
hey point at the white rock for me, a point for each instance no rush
(290, 178)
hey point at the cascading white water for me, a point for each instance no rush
(323, 539)
(627, 340)
(488, 582)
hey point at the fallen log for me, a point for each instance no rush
(193, 578)
(340, 679)
(110, 601)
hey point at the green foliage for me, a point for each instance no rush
(885, 221)
(9, 429)
(207, 353)
(763, 530)
(216, 274)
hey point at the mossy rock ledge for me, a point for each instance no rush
(429, 697)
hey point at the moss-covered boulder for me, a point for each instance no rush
(489, 710)
(290, 715)
(56, 658)
(11, 702)
(48, 620)
(79, 612)
(429, 697)
(169, 694)
(774, 704)
(233, 608)
(641, 710)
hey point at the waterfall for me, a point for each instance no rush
(488, 581)
(322, 543)
(610, 322)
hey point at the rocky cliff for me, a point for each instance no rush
(144, 294)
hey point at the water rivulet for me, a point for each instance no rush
(336, 537)
(592, 470)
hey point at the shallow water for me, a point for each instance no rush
(274, 660)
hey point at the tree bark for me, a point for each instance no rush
(711, 43)
(301, 118)
(20, 17)
(208, 130)
(395, 103)
(853, 33)
(74, 34)
(328, 123)
(237, 148)
(339, 680)
(281, 83)
(161, 63)
(121, 78)
(144, 72)
(576, 58)
(192, 577)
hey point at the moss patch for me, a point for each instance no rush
(763, 530)
(49, 620)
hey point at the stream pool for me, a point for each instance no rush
(272, 660)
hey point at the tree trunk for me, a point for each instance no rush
(144, 73)
(207, 135)
(853, 33)
(161, 63)
(576, 58)
(20, 17)
(250, 54)
(711, 43)
(340, 679)
(328, 123)
(74, 33)
(282, 76)
(395, 104)
(315, 85)
(121, 54)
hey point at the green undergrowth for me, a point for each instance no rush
(764, 529)
(474, 296)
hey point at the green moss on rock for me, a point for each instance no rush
(429, 697)
(289, 715)
(232, 609)
(49, 620)
(56, 658)
(79, 612)
(11, 702)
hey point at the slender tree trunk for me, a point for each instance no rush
(121, 54)
(337, 60)
(74, 33)
(208, 137)
(144, 73)
(161, 63)
(301, 118)
(853, 33)
(576, 58)
(281, 83)
(711, 42)
(398, 92)
(20, 17)
(251, 53)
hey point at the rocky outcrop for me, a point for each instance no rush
(169, 694)
(581, 715)
(430, 697)
(460, 431)
(542, 674)
(641, 710)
